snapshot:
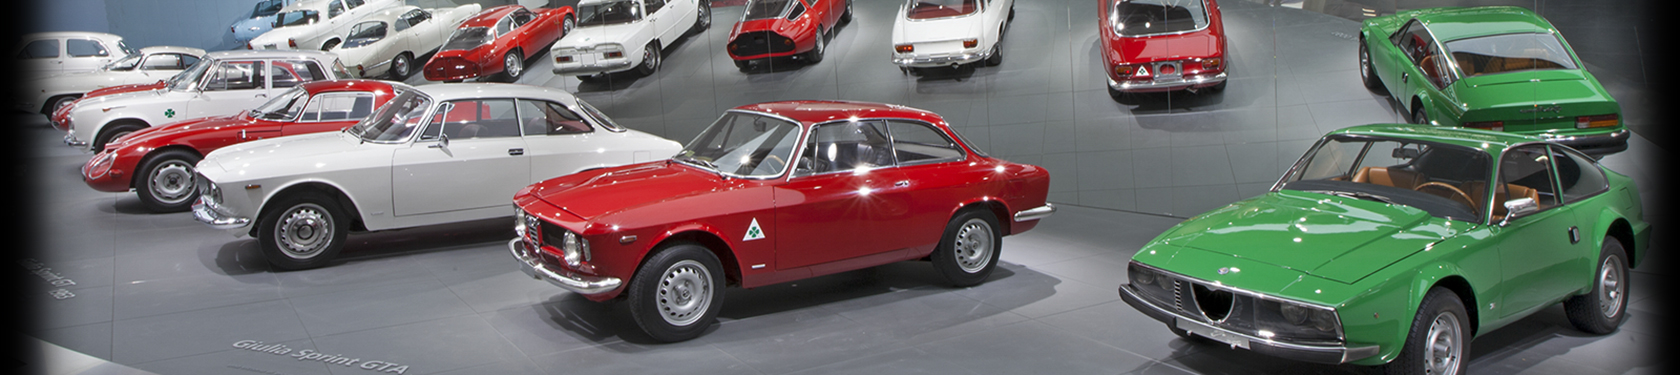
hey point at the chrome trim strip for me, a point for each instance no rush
(944, 60)
(532, 266)
(1347, 354)
(1035, 213)
(596, 68)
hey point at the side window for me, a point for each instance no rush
(846, 146)
(484, 118)
(521, 17)
(163, 61)
(85, 48)
(40, 49)
(798, 10)
(366, 33)
(549, 118)
(1579, 177)
(235, 75)
(504, 26)
(339, 106)
(187, 61)
(335, 8)
(654, 5)
(355, 3)
(288, 73)
(1526, 172)
(915, 143)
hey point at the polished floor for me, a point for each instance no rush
(163, 294)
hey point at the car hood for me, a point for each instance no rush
(594, 194)
(252, 159)
(597, 35)
(175, 129)
(1528, 88)
(939, 29)
(1341, 239)
(1197, 44)
(278, 37)
(253, 25)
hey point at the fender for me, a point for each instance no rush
(269, 195)
(1003, 218)
(692, 227)
(1419, 284)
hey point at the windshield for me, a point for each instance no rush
(762, 9)
(606, 13)
(1146, 17)
(929, 9)
(1509, 53)
(124, 64)
(743, 144)
(267, 8)
(395, 120)
(468, 38)
(1447, 181)
(187, 78)
(284, 107)
(296, 17)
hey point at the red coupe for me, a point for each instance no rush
(498, 41)
(61, 115)
(1162, 45)
(777, 28)
(157, 162)
(771, 193)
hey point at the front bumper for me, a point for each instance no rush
(941, 60)
(1305, 353)
(535, 267)
(1595, 144)
(1194, 82)
(71, 140)
(216, 217)
(594, 68)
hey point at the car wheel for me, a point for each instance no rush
(650, 59)
(402, 66)
(1439, 338)
(847, 16)
(743, 65)
(166, 183)
(703, 18)
(677, 293)
(114, 131)
(567, 25)
(57, 102)
(1418, 115)
(513, 65)
(816, 53)
(302, 231)
(1367, 74)
(1601, 310)
(997, 54)
(328, 46)
(968, 251)
(590, 78)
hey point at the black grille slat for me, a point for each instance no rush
(758, 43)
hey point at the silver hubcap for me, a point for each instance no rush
(684, 293)
(400, 64)
(567, 27)
(650, 57)
(974, 247)
(172, 183)
(1445, 347)
(305, 231)
(1364, 63)
(1610, 287)
(514, 64)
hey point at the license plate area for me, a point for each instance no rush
(1169, 71)
(1233, 340)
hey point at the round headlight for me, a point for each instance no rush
(573, 247)
(1294, 314)
(1141, 276)
(1324, 320)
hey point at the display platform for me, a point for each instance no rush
(128, 291)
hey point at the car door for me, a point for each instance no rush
(1391, 62)
(231, 85)
(525, 31)
(41, 56)
(659, 13)
(931, 180)
(331, 111)
(828, 210)
(1535, 249)
(470, 156)
(82, 54)
(558, 141)
(427, 32)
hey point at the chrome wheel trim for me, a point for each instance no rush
(1610, 287)
(566, 26)
(171, 183)
(973, 246)
(650, 58)
(1445, 345)
(685, 292)
(1364, 63)
(705, 16)
(304, 231)
(399, 65)
(513, 64)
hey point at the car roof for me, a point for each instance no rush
(492, 90)
(488, 17)
(174, 49)
(1492, 142)
(316, 87)
(271, 54)
(1454, 23)
(305, 5)
(388, 15)
(65, 34)
(811, 112)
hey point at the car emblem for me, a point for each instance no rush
(1541, 108)
(1227, 270)
(170, 113)
(754, 232)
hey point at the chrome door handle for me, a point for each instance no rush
(516, 151)
(901, 184)
(1404, 77)
(1574, 235)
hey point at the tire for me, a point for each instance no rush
(997, 54)
(402, 66)
(703, 18)
(743, 65)
(513, 65)
(815, 55)
(677, 293)
(114, 131)
(1439, 338)
(651, 56)
(847, 16)
(567, 25)
(54, 103)
(1419, 116)
(290, 231)
(1603, 309)
(968, 251)
(1368, 73)
(589, 78)
(166, 181)
(328, 46)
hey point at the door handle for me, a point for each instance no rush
(1404, 77)
(262, 95)
(902, 184)
(516, 151)
(1574, 235)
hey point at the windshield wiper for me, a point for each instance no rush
(1357, 195)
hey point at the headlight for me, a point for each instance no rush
(102, 165)
(1141, 276)
(1298, 322)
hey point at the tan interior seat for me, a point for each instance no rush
(1383, 176)
(1511, 191)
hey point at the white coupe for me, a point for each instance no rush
(317, 24)
(152, 64)
(389, 41)
(950, 33)
(435, 154)
(223, 83)
(617, 35)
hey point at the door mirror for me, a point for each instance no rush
(1519, 207)
(442, 142)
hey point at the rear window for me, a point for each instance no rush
(1509, 53)
(1146, 17)
(765, 9)
(928, 9)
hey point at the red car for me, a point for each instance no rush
(771, 193)
(163, 157)
(61, 115)
(1162, 45)
(777, 28)
(498, 41)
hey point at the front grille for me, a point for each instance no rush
(759, 43)
(553, 236)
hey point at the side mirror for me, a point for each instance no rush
(1519, 207)
(442, 142)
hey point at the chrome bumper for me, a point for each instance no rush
(1035, 213)
(1165, 85)
(1595, 145)
(70, 139)
(1305, 353)
(534, 267)
(938, 61)
(596, 68)
(209, 215)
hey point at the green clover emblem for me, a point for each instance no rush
(753, 232)
(170, 113)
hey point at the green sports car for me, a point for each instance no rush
(1499, 68)
(1395, 245)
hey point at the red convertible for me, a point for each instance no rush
(157, 162)
(498, 41)
(777, 28)
(1162, 45)
(771, 193)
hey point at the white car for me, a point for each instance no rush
(435, 154)
(390, 40)
(223, 83)
(316, 24)
(950, 33)
(150, 65)
(42, 54)
(617, 35)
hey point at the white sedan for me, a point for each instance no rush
(950, 33)
(618, 35)
(316, 24)
(434, 154)
(152, 64)
(390, 40)
(48, 53)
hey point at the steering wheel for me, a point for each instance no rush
(1458, 195)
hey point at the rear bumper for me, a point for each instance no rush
(941, 60)
(595, 68)
(1195, 82)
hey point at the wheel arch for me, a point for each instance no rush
(133, 182)
(998, 209)
(335, 192)
(711, 241)
(1620, 229)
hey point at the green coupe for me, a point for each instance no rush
(1498, 68)
(1396, 244)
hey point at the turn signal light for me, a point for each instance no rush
(1489, 125)
(1599, 121)
(1130, 71)
(971, 43)
(1212, 64)
(904, 48)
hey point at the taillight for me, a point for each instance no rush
(971, 43)
(904, 48)
(1599, 121)
(1489, 125)
(1131, 71)
(361, 72)
(562, 59)
(614, 54)
(248, 46)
